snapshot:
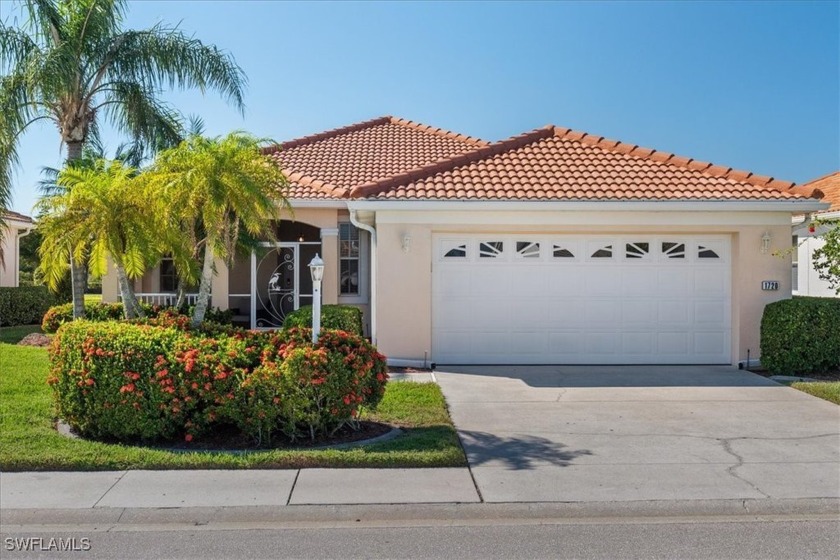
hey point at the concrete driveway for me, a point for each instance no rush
(607, 433)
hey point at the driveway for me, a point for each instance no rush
(607, 433)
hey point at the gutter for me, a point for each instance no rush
(372, 231)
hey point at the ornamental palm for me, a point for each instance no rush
(72, 63)
(99, 211)
(216, 186)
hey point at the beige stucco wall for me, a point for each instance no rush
(9, 267)
(404, 280)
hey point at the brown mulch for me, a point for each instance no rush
(407, 370)
(822, 376)
(35, 339)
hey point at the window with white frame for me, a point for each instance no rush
(349, 255)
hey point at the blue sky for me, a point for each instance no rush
(750, 85)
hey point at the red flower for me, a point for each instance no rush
(188, 437)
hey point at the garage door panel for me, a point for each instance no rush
(671, 305)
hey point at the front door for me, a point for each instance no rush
(280, 282)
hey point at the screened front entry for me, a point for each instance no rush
(280, 282)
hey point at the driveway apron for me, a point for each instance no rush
(609, 433)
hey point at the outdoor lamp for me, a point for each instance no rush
(765, 242)
(316, 269)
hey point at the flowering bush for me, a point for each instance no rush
(124, 381)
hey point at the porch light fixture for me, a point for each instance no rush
(406, 243)
(316, 269)
(765, 242)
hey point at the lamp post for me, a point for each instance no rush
(316, 269)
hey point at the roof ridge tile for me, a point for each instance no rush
(438, 131)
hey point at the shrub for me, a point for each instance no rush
(60, 314)
(129, 382)
(338, 317)
(23, 305)
(801, 335)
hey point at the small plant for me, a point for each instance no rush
(338, 317)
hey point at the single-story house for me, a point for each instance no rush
(551, 247)
(806, 280)
(16, 226)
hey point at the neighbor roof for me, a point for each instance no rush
(394, 159)
(9, 215)
(830, 187)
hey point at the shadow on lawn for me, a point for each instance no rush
(518, 452)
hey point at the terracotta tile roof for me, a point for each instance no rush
(390, 158)
(330, 164)
(9, 215)
(830, 186)
(562, 164)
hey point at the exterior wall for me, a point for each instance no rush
(809, 281)
(10, 248)
(404, 279)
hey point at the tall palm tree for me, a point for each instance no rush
(218, 187)
(73, 63)
(100, 211)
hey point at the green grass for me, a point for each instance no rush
(13, 335)
(828, 390)
(28, 440)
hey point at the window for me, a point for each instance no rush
(561, 252)
(168, 277)
(673, 250)
(490, 249)
(795, 263)
(528, 249)
(457, 252)
(349, 260)
(603, 253)
(636, 250)
(706, 253)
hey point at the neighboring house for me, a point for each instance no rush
(551, 247)
(17, 226)
(806, 280)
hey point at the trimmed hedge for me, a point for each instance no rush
(24, 305)
(60, 314)
(142, 382)
(801, 335)
(338, 317)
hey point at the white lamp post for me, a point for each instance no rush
(316, 268)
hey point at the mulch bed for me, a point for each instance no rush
(35, 339)
(407, 370)
(228, 438)
(823, 376)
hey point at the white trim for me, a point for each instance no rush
(373, 296)
(798, 205)
(316, 203)
(328, 232)
(363, 297)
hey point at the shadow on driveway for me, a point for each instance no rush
(516, 452)
(616, 376)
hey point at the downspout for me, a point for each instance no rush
(21, 233)
(372, 231)
(809, 217)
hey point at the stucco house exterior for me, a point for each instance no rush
(554, 246)
(806, 279)
(17, 226)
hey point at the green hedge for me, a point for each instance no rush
(801, 335)
(141, 382)
(60, 314)
(338, 317)
(25, 305)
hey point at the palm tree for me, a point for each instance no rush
(73, 63)
(217, 187)
(99, 211)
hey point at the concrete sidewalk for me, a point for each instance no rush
(231, 488)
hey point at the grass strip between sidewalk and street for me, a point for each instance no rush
(29, 440)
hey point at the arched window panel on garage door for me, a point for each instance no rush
(637, 250)
(528, 249)
(601, 250)
(454, 249)
(673, 250)
(711, 251)
(490, 249)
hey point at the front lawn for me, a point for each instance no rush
(13, 335)
(828, 390)
(29, 441)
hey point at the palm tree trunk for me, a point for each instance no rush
(131, 307)
(182, 295)
(78, 270)
(204, 286)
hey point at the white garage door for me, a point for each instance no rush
(525, 299)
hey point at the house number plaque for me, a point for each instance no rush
(770, 285)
